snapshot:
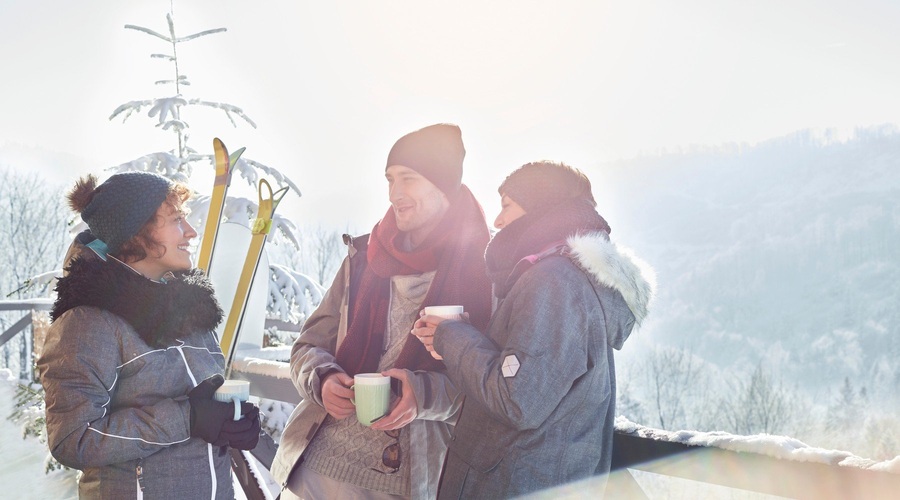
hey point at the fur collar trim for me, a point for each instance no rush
(617, 268)
(159, 312)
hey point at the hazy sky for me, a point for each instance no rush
(333, 84)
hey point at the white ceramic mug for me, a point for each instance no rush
(447, 312)
(236, 391)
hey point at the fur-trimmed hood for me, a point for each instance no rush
(617, 268)
(159, 312)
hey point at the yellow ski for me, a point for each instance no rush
(224, 169)
(259, 229)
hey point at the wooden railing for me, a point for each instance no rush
(25, 326)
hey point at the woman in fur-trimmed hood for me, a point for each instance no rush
(131, 360)
(540, 385)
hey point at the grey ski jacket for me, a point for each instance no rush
(116, 407)
(540, 386)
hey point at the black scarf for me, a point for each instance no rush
(533, 233)
(159, 312)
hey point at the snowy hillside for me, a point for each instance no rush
(785, 252)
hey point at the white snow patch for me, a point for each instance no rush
(780, 447)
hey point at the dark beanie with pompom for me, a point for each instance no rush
(540, 185)
(436, 152)
(117, 209)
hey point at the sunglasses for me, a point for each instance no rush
(390, 457)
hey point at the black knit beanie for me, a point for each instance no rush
(117, 209)
(436, 152)
(540, 185)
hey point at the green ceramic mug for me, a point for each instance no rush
(371, 395)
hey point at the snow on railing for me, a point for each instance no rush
(780, 447)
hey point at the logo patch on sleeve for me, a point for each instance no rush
(510, 366)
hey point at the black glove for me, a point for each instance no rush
(241, 434)
(207, 388)
(213, 421)
(207, 416)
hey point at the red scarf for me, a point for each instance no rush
(454, 249)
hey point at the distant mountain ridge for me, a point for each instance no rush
(787, 251)
(54, 166)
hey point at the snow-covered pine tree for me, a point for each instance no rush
(169, 112)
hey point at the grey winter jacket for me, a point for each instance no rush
(116, 408)
(540, 387)
(312, 357)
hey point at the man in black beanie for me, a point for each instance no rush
(428, 249)
(424, 172)
(436, 152)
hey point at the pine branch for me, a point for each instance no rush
(198, 35)
(280, 178)
(174, 124)
(131, 107)
(227, 108)
(165, 106)
(148, 31)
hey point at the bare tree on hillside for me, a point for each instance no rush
(760, 404)
(627, 405)
(32, 232)
(674, 384)
(323, 251)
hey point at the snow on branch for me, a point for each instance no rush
(174, 124)
(43, 283)
(286, 228)
(247, 168)
(229, 109)
(293, 296)
(182, 80)
(239, 209)
(162, 163)
(198, 35)
(148, 31)
(131, 107)
(165, 106)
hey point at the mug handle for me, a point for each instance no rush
(237, 409)
(353, 397)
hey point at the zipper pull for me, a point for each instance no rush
(140, 475)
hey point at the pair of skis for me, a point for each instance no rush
(259, 228)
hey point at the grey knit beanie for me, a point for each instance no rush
(117, 209)
(540, 185)
(436, 152)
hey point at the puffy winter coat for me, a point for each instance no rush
(540, 387)
(120, 357)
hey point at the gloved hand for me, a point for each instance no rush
(207, 388)
(241, 434)
(207, 416)
(213, 421)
